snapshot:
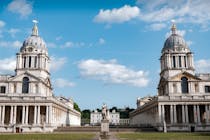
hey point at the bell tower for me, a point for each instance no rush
(33, 56)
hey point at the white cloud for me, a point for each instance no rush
(13, 32)
(70, 44)
(14, 44)
(112, 72)
(2, 24)
(101, 41)
(7, 65)
(120, 15)
(22, 7)
(183, 11)
(157, 26)
(57, 63)
(203, 66)
(61, 83)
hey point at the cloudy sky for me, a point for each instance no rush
(104, 51)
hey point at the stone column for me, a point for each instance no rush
(186, 114)
(207, 113)
(38, 115)
(183, 114)
(175, 116)
(11, 115)
(159, 113)
(163, 113)
(50, 114)
(3, 114)
(0, 114)
(35, 114)
(195, 114)
(26, 119)
(171, 114)
(198, 114)
(15, 114)
(47, 114)
(23, 114)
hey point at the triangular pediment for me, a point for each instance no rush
(189, 76)
(25, 74)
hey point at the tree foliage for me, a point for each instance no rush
(76, 107)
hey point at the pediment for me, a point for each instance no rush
(25, 74)
(189, 76)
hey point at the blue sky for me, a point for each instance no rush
(104, 51)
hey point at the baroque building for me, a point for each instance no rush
(183, 100)
(27, 103)
(96, 117)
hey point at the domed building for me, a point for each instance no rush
(27, 103)
(183, 100)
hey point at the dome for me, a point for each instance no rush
(34, 43)
(175, 42)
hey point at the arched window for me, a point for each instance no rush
(184, 85)
(25, 85)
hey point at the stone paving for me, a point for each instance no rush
(112, 136)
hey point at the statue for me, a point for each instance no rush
(105, 112)
(104, 122)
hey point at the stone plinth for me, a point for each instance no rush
(104, 129)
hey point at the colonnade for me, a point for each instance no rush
(184, 113)
(25, 114)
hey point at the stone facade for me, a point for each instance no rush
(183, 100)
(96, 117)
(27, 103)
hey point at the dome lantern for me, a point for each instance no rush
(35, 28)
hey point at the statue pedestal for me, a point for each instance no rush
(104, 129)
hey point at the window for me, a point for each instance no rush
(24, 62)
(25, 85)
(185, 61)
(180, 61)
(2, 89)
(184, 84)
(207, 89)
(174, 61)
(29, 61)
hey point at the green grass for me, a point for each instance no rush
(164, 136)
(53, 136)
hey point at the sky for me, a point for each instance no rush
(104, 51)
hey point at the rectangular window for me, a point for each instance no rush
(29, 61)
(185, 62)
(207, 89)
(2, 89)
(24, 62)
(180, 61)
(174, 61)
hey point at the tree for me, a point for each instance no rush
(86, 114)
(76, 107)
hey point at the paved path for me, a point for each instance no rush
(111, 137)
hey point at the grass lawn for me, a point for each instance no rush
(163, 136)
(49, 136)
